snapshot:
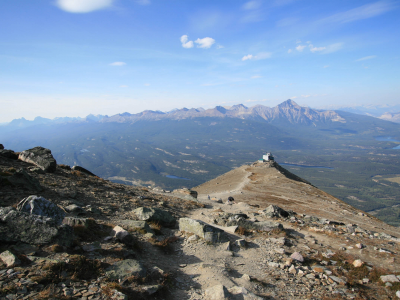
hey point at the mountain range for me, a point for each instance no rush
(353, 157)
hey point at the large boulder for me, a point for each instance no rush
(40, 157)
(17, 226)
(202, 229)
(22, 179)
(40, 206)
(124, 269)
(156, 215)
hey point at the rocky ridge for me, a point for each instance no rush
(272, 242)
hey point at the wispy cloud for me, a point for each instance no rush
(261, 55)
(366, 58)
(316, 49)
(118, 64)
(363, 12)
(205, 43)
(83, 6)
(185, 42)
(255, 76)
(300, 48)
(290, 51)
(333, 48)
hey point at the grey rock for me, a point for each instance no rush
(202, 229)
(275, 211)
(267, 226)
(132, 225)
(242, 293)
(241, 243)
(123, 236)
(37, 170)
(83, 170)
(398, 294)
(156, 215)
(40, 206)
(23, 179)
(75, 209)
(125, 268)
(217, 292)
(389, 278)
(116, 295)
(16, 226)
(297, 256)
(71, 221)
(40, 157)
(151, 289)
(10, 259)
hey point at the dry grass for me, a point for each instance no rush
(165, 244)
(56, 248)
(243, 231)
(65, 167)
(77, 173)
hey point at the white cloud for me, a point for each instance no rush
(246, 57)
(333, 48)
(363, 12)
(185, 43)
(220, 47)
(261, 55)
(205, 43)
(366, 58)
(118, 64)
(316, 49)
(256, 76)
(300, 48)
(83, 6)
(252, 5)
(290, 51)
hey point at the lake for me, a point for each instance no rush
(176, 177)
(388, 139)
(302, 166)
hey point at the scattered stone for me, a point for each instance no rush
(202, 229)
(239, 292)
(156, 215)
(357, 263)
(337, 280)
(217, 292)
(134, 225)
(116, 295)
(246, 277)
(359, 246)
(193, 238)
(297, 256)
(125, 268)
(71, 221)
(389, 278)
(75, 209)
(35, 205)
(40, 157)
(10, 259)
(150, 289)
(123, 236)
(274, 211)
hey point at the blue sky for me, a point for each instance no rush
(75, 57)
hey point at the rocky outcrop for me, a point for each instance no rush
(274, 211)
(17, 226)
(202, 229)
(83, 170)
(155, 215)
(22, 179)
(1, 147)
(8, 154)
(40, 206)
(40, 157)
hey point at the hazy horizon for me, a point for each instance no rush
(75, 58)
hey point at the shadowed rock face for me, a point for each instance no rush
(156, 215)
(23, 179)
(16, 226)
(40, 157)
